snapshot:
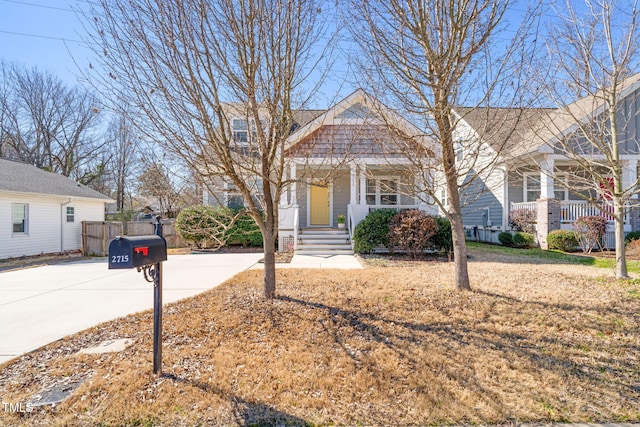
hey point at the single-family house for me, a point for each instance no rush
(530, 148)
(42, 212)
(342, 163)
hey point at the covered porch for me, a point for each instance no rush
(321, 196)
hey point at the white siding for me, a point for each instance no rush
(44, 219)
(85, 210)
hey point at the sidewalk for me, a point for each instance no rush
(319, 261)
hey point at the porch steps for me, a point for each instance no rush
(323, 241)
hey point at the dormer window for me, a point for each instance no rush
(240, 129)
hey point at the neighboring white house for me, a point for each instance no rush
(42, 212)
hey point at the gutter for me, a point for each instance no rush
(62, 205)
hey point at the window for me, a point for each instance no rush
(19, 216)
(240, 130)
(382, 191)
(71, 216)
(234, 199)
(532, 188)
(388, 192)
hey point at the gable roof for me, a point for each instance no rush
(530, 129)
(357, 108)
(23, 178)
(503, 128)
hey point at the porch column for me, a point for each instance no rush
(352, 184)
(546, 179)
(363, 184)
(629, 175)
(293, 187)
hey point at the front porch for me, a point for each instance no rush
(319, 196)
(572, 210)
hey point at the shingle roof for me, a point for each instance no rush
(505, 128)
(24, 178)
(526, 130)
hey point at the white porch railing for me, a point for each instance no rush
(296, 226)
(527, 206)
(570, 211)
(351, 224)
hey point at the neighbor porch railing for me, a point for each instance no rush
(570, 211)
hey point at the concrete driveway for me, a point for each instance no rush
(43, 304)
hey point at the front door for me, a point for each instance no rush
(319, 205)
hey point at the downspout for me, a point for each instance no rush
(62, 205)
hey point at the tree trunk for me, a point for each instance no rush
(269, 246)
(459, 252)
(621, 260)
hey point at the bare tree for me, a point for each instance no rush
(192, 67)
(596, 50)
(430, 57)
(47, 124)
(167, 190)
(123, 148)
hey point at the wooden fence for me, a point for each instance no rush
(97, 235)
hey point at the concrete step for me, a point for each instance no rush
(320, 246)
(324, 236)
(322, 232)
(323, 241)
(324, 252)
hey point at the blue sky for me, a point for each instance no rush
(48, 34)
(43, 33)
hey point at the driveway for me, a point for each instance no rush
(43, 304)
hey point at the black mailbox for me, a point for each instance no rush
(137, 251)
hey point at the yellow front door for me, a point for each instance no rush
(319, 205)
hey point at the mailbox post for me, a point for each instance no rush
(146, 254)
(157, 308)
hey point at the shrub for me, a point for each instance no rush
(205, 226)
(443, 239)
(590, 231)
(244, 231)
(505, 238)
(373, 230)
(523, 220)
(412, 230)
(634, 235)
(562, 240)
(633, 248)
(523, 240)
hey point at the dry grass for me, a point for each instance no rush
(380, 346)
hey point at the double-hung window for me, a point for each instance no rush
(532, 187)
(20, 217)
(382, 191)
(71, 214)
(240, 129)
(234, 198)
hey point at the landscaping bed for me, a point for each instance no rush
(538, 340)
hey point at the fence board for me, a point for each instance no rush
(97, 235)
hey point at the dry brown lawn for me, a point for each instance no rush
(380, 346)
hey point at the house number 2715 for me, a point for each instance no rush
(116, 259)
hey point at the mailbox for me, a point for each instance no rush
(137, 251)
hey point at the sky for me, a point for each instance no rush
(44, 34)
(48, 34)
